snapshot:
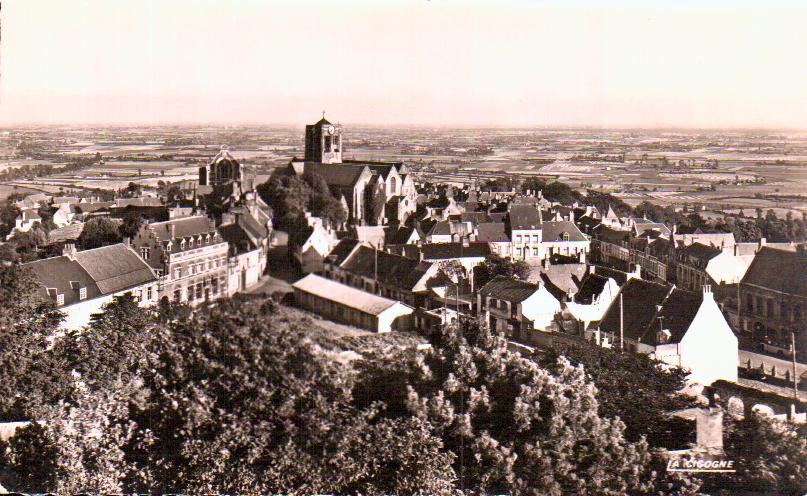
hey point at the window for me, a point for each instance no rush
(193, 269)
(177, 272)
(393, 184)
(797, 312)
(770, 308)
(149, 294)
(535, 252)
(209, 264)
(518, 251)
(199, 290)
(178, 294)
(190, 292)
(190, 243)
(60, 299)
(182, 245)
(215, 284)
(564, 236)
(749, 303)
(82, 294)
(327, 144)
(518, 238)
(145, 252)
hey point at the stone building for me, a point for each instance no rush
(189, 255)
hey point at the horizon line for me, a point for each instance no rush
(457, 126)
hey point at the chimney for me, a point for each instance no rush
(762, 242)
(127, 242)
(69, 251)
(173, 228)
(709, 428)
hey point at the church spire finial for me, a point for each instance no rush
(323, 114)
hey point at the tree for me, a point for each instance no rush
(73, 447)
(496, 265)
(30, 376)
(513, 426)
(115, 345)
(99, 231)
(130, 225)
(769, 455)
(8, 216)
(655, 391)
(240, 399)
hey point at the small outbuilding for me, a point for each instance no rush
(347, 305)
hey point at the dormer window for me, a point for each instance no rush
(564, 236)
(190, 245)
(182, 245)
(207, 239)
(145, 252)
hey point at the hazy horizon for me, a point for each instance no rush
(712, 65)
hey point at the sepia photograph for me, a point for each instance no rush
(403, 247)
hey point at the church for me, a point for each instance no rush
(356, 183)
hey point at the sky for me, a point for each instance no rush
(686, 63)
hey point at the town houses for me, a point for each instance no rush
(409, 255)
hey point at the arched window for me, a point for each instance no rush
(393, 185)
(564, 236)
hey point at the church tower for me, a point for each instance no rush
(323, 142)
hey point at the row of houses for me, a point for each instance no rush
(190, 258)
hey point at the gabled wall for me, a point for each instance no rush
(709, 347)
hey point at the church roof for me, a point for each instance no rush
(336, 174)
(322, 122)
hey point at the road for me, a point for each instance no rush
(769, 361)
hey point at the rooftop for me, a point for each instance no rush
(344, 295)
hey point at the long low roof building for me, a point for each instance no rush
(348, 305)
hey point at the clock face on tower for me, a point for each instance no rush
(331, 129)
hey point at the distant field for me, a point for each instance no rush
(7, 189)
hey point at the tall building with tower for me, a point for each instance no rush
(323, 142)
(361, 186)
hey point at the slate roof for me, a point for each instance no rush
(103, 271)
(492, 232)
(553, 231)
(474, 217)
(640, 300)
(524, 217)
(701, 252)
(445, 251)
(590, 287)
(336, 174)
(138, 202)
(393, 270)
(237, 237)
(341, 251)
(115, 267)
(780, 270)
(70, 232)
(508, 289)
(399, 235)
(621, 277)
(640, 228)
(30, 215)
(565, 277)
(587, 223)
(609, 235)
(343, 294)
(185, 227)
